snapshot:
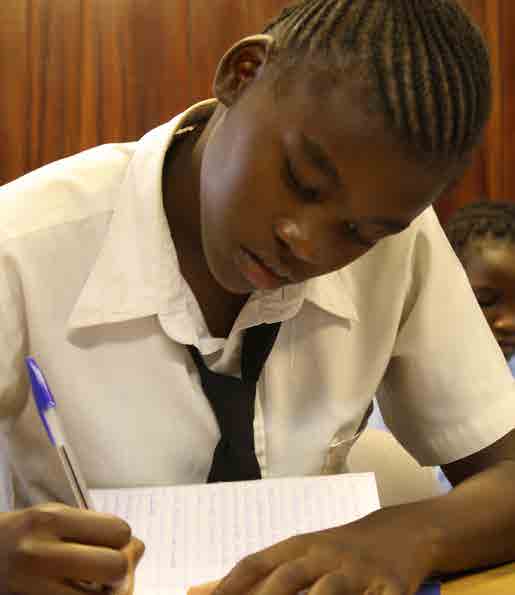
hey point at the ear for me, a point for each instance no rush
(241, 65)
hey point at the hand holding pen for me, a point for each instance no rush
(58, 550)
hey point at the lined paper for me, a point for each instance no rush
(194, 534)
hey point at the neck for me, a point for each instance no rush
(181, 188)
(181, 199)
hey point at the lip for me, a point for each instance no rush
(259, 273)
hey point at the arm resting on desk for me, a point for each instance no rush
(394, 549)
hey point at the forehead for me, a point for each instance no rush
(490, 260)
(341, 116)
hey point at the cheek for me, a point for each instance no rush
(236, 176)
(340, 251)
(491, 316)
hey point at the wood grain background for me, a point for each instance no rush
(77, 73)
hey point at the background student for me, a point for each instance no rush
(483, 236)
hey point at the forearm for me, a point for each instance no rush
(472, 526)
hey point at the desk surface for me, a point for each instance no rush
(499, 581)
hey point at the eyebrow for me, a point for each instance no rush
(320, 159)
(392, 225)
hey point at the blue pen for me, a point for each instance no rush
(47, 409)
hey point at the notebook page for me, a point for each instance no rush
(194, 534)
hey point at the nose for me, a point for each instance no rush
(299, 238)
(505, 320)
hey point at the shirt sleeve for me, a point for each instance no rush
(13, 342)
(448, 391)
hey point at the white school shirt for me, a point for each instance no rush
(90, 286)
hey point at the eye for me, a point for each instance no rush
(486, 297)
(351, 229)
(306, 192)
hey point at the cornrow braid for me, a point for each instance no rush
(425, 62)
(478, 220)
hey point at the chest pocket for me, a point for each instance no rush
(339, 447)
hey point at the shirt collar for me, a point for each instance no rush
(137, 272)
(333, 293)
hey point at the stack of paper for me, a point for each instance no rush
(195, 534)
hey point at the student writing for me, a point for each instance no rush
(289, 218)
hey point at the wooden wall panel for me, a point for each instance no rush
(494, 145)
(85, 72)
(473, 185)
(262, 11)
(210, 40)
(214, 30)
(492, 174)
(53, 42)
(77, 73)
(14, 138)
(506, 134)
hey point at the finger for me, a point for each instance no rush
(335, 583)
(300, 574)
(342, 583)
(204, 589)
(29, 586)
(252, 569)
(290, 577)
(81, 526)
(59, 560)
(133, 554)
(134, 551)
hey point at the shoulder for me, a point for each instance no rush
(68, 190)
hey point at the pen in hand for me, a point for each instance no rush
(47, 410)
(46, 406)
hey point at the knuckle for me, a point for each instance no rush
(388, 585)
(323, 550)
(251, 565)
(333, 583)
(43, 515)
(290, 572)
(25, 556)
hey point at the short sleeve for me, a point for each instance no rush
(448, 391)
(13, 342)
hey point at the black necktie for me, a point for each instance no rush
(233, 402)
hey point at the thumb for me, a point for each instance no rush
(205, 589)
(135, 550)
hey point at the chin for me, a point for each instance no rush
(237, 289)
(230, 283)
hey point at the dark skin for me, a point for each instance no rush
(270, 193)
(490, 266)
(283, 180)
(246, 198)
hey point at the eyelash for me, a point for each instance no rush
(351, 229)
(487, 303)
(306, 192)
(312, 195)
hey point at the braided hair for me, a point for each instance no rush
(487, 219)
(425, 62)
